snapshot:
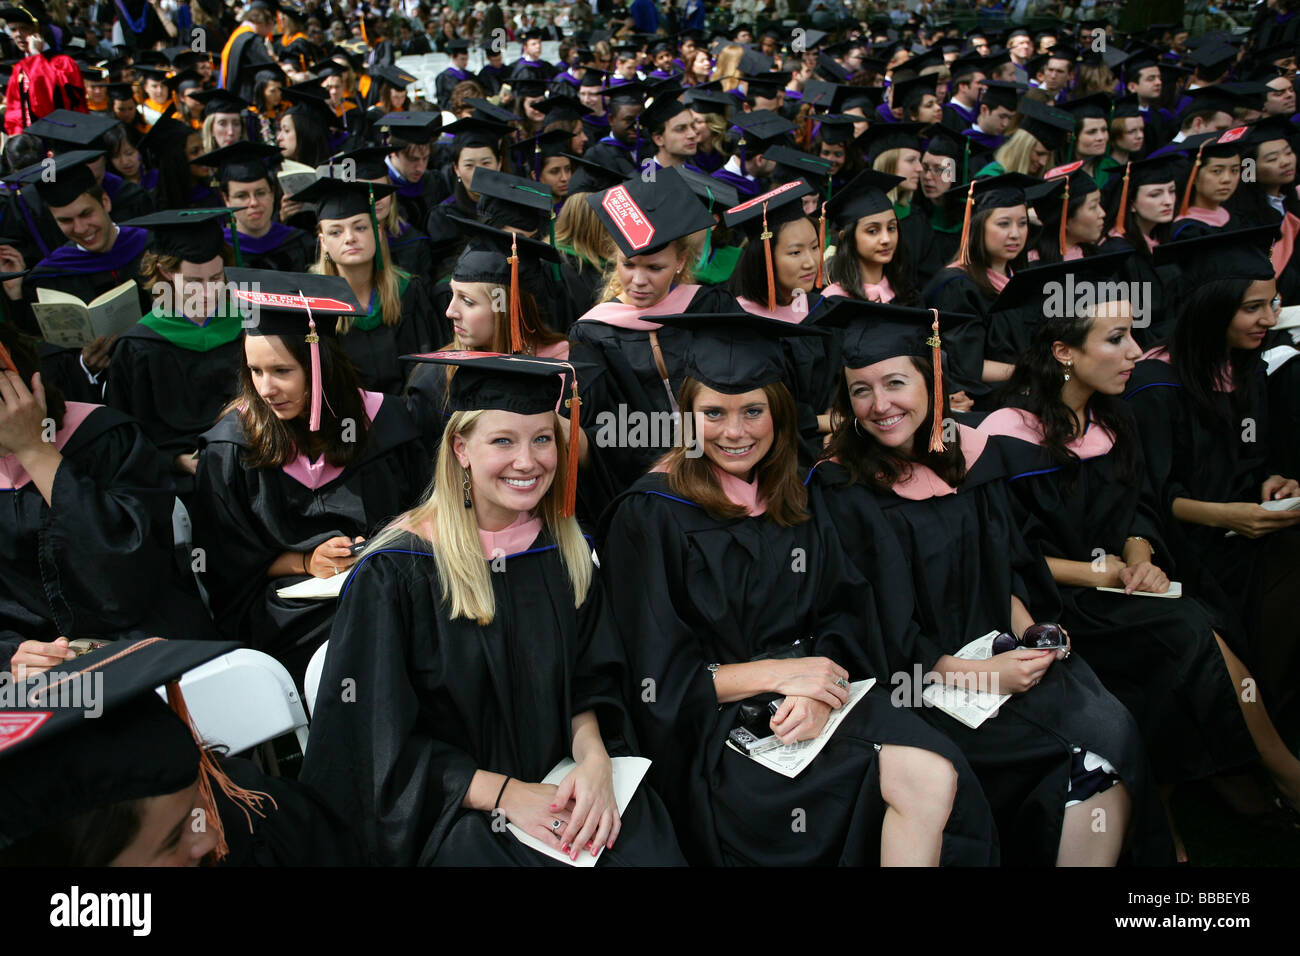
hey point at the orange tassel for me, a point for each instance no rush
(1123, 202)
(936, 426)
(363, 30)
(821, 249)
(1191, 184)
(210, 773)
(767, 255)
(574, 405)
(516, 332)
(963, 251)
(1065, 214)
(8, 361)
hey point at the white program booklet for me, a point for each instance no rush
(971, 707)
(628, 774)
(1175, 591)
(790, 760)
(314, 589)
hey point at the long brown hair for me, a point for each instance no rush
(274, 443)
(778, 474)
(536, 333)
(870, 463)
(978, 254)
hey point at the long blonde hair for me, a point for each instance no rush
(457, 550)
(727, 69)
(887, 162)
(688, 246)
(386, 283)
(579, 228)
(1015, 155)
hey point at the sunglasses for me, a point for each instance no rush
(1037, 637)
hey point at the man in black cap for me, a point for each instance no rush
(410, 144)
(671, 127)
(67, 130)
(620, 149)
(996, 110)
(962, 109)
(445, 82)
(532, 56)
(494, 72)
(248, 186)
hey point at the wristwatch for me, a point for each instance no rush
(713, 670)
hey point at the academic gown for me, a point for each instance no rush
(952, 290)
(1284, 401)
(1159, 657)
(410, 251)
(499, 697)
(175, 380)
(614, 155)
(624, 380)
(1161, 281)
(245, 518)
(583, 282)
(964, 559)
(282, 249)
(924, 257)
(375, 353)
(445, 82)
(99, 563)
(693, 590)
(415, 200)
(130, 200)
(1248, 583)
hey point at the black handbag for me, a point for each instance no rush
(754, 714)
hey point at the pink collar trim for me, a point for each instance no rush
(512, 539)
(1151, 242)
(920, 483)
(624, 316)
(794, 313)
(316, 474)
(13, 476)
(1018, 423)
(997, 279)
(738, 491)
(880, 292)
(556, 350)
(1211, 217)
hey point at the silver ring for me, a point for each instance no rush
(556, 824)
(841, 682)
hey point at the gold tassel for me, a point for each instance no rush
(821, 249)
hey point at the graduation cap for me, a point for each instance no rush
(315, 108)
(1063, 189)
(1213, 145)
(793, 165)
(395, 77)
(995, 93)
(472, 131)
(876, 332)
(457, 45)
(71, 176)
(484, 109)
(736, 352)
(29, 11)
(1212, 60)
(532, 152)
(419, 128)
(880, 138)
(1031, 284)
(836, 130)
(760, 128)
(242, 162)
(643, 218)
(866, 195)
(589, 177)
(1237, 254)
(665, 105)
(821, 95)
(1269, 129)
(1151, 171)
(829, 70)
(593, 77)
(634, 91)
(190, 234)
(909, 93)
(865, 98)
(1050, 126)
(561, 108)
(368, 162)
(341, 198)
(185, 83)
(717, 195)
(219, 101)
(945, 142)
(996, 192)
(709, 101)
(762, 217)
(523, 384)
(529, 83)
(68, 128)
(121, 91)
(1250, 94)
(506, 200)
(767, 85)
(57, 765)
(755, 63)
(966, 66)
(1094, 106)
(328, 67)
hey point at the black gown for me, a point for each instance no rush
(438, 699)
(98, 564)
(245, 518)
(1248, 583)
(376, 353)
(692, 590)
(622, 380)
(282, 249)
(1159, 657)
(1284, 403)
(1162, 283)
(924, 253)
(952, 290)
(964, 559)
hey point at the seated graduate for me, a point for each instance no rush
(1090, 138)
(398, 317)
(995, 235)
(1214, 176)
(1202, 416)
(97, 256)
(621, 149)
(408, 245)
(1078, 484)
(719, 620)
(944, 164)
(411, 136)
(85, 521)
(1045, 767)
(639, 363)
(183, 182)
(303, 465)
(178, 366)
(474, 143)
(896, 150)
(870, 259)
(1142, 204)
(579, 235)
(545, 159)
(491, 310)
(483, 653)
(1068, 205)
(249, 186)
(126, 788)
(67, 131)
(1269, 197)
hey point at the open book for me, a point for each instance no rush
(314, 589)
(69, 323)
(790, 760)
(1175, 591)
(295, 177)
(971, 707)
(628, 773)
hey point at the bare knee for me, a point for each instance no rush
(915, 781)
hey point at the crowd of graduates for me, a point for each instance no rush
(644, 403)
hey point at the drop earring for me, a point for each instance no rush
(465, 489)
(1069, 367)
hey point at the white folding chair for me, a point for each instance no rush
(311, 680)
(243, 699)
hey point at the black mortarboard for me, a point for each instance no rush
(766, 85)
(593, 77)
(529, 83)
(279, 303)
(1212, 59)
(866, 195)
(1048, 196)
(793, 165)
(315, 108)
(882, 137)
(31, 11)
(829, 70)
(506, 200)
(328, 67)
(836, 130)
(632, 92)
(1030, 284)
(187, 83)
(342, 199)
(946, 142)
(483, 109)
(65, 129)
(644, 217)
(457, 45)
(120, 91)
(413, 127)
(71, 176)
(1216, 144)
(485, 256)
(709, 101)
(242, 162)
(190, 234)
(523, 384)
(761, 128)
(715, 193)
(995, 93)
(475, 132)
(736, 352)
(664, 107)
(560, 108)
(1271, 128)
(1236, 254)
(753, 62)
(1095, 106)
(773, 208)
(1250, 94)
(529, 152)
(393, 76)
(1050, 126)
(368, 162)
(589, 177)
(56, 765)
(821, 95)
(1002, 192)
